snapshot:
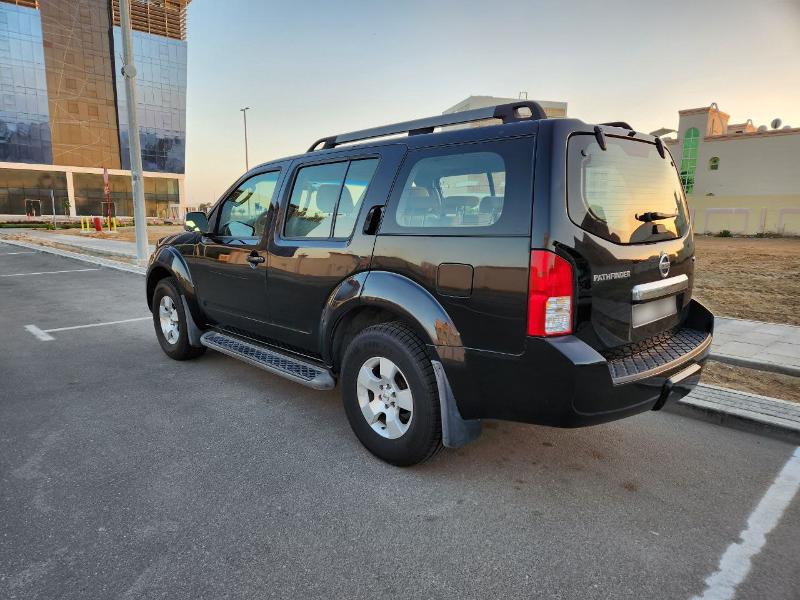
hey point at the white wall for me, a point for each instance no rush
(750, 166)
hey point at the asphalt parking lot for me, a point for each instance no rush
(124, 474)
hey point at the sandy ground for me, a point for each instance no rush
(749, 278)
(128, 234)
(774, 385)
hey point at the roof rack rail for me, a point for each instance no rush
(622, 124)
(509, 113)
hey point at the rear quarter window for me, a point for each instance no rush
(468, 189)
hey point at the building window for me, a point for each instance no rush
(689, 159)
(713, 163)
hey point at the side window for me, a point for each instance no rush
(244, 212)
(313, 202)
(355, 187)
(326, 199)
(453, 191)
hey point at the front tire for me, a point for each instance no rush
(169, 320)
(390, 395)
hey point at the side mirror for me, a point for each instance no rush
(196, 221)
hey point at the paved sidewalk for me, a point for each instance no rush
(764, 346)
(742, 410)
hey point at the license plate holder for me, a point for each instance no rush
(655, 310)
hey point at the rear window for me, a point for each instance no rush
(481, 189)
(457, 190)
(626, 194)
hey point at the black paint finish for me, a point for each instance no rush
(463, 292)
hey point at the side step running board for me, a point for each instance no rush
(269, 360)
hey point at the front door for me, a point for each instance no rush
(319, 239)
(230, 265)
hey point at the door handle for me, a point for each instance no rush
(255, 259)
(373, 220)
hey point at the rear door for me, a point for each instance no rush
(458, 223)
(319, 239)
(631, 236)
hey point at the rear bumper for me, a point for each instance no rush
(563, 382)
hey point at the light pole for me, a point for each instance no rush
(137, 181)
(246, 157)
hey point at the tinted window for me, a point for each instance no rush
(482, 188)
(328, 194)
(244, 212)
(456, 190)
(313, 202)
(627, 193)
(358, 178)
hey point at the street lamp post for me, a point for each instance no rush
(246, 157)
(137, 181)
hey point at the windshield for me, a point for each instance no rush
(627, 193)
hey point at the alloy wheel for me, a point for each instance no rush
(168, 316)
(384, 397)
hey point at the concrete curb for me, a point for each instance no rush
(762, 415)
(758, 365)
(95, 260)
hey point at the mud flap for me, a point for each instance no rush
(456, 431)
(193, 330)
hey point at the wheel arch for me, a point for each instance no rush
(168, 262)
(379, 296)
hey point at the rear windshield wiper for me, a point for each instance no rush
(649, 217)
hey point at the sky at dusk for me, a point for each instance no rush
(313, 68)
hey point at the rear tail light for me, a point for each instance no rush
(550, 294)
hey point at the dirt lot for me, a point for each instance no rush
(749, 278)
(128, 234)
(774, 385)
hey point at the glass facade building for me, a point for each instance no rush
(161, 99)
(63, 110)
(24, 116)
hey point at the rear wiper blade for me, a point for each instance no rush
(648, 217)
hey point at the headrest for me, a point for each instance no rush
(326, 197)
(417, 199)
(453, 203)
(491, 203)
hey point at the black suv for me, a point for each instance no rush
(536, 270)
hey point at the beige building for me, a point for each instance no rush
(738, 176)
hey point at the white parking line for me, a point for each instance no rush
(96, 324)
(39, 333)
(12, 253)
(44, 334)
(738, 558)
(47, 272)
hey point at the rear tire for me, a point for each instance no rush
(390, 395)
(169, 320)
